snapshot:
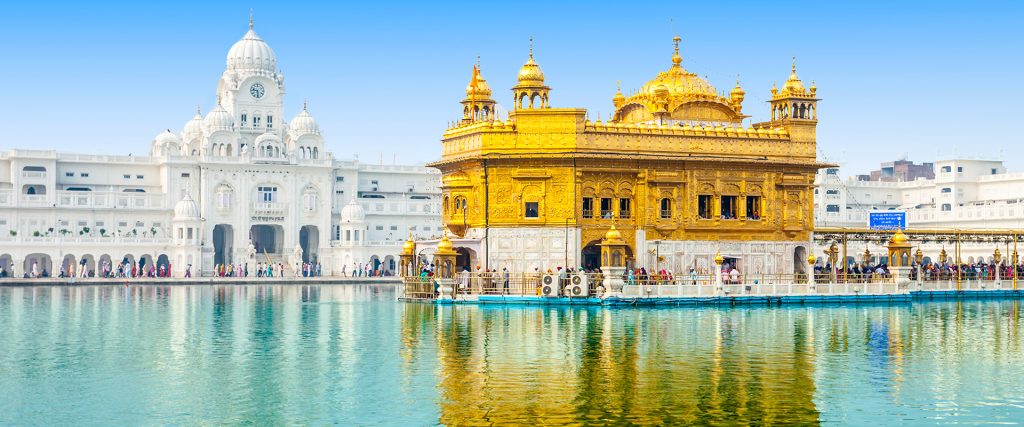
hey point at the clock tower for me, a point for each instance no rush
(252, 89)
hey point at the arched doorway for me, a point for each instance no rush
(464, 259)
(42, 263)
(6, 262)
(267, 238)
(87, 263)
(68, 265)
(389, 265)
(163, 262)
(800, 260)
(374, 265)
(145, 263)
(309, 239)
(223, 236)
(591, 255)
(105, 263)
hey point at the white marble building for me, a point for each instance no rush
(236, 185)
(965, 194)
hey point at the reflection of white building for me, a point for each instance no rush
(965, 194)
(237, 181)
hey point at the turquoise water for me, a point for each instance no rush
(351, 355)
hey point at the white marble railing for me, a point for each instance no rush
(79, 240)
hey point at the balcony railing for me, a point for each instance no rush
(269, 207)
(33, 174)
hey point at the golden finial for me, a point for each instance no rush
(618, 85)
(250, 19)
(676, 58)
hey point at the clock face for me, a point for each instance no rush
(256, 90)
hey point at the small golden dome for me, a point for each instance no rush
(899, 237)
(661, 91)
(737, 93)
(530, 73)
(793, 84)
(409, 247)
(718, 258)
(483, 90)
(811, 259)
(445, 245)
(619, 99)
(612, 234)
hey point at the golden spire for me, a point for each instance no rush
(676, 58)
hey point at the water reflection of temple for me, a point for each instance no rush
(606, 366)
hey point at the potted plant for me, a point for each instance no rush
(103, 232)
(64, 232)
(86, 230)
(152, 231)
(13, 233)
(36, 233)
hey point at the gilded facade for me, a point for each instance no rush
(675, 169)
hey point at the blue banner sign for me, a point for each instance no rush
(887, 220)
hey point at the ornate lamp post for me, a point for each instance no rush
(997, 257)
(811, 284)
(718, 272)
(943, 256)
(867, 257)
(1015, 259)
(919, 259)
(833, 256)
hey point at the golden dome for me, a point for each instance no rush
(619, 98)
(899, 237)
(445, 245)
(530, 74)
(612, 235)
(409, 247)
(737, 93)
(811, 259)
(793, 84)
(718, 258)
(483, 90)
(678, 81)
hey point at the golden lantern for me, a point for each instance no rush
(919, 256)
(943, 256)
(833, 253)
(811, 259)
(867, 256)
(718, 258)
(997, 256)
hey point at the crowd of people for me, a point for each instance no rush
(931, 271)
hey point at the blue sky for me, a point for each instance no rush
(924, 79)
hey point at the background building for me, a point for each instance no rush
(965, 193)
(236, 185)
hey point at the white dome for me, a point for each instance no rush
(267, 137)
(186, 209)
(352, 212)
(194, 128)
(218, 119)
(304, 124)
(166, 137)
(252, 53)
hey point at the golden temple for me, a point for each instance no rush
(675, 164)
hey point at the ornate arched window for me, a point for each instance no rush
(224, 197)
